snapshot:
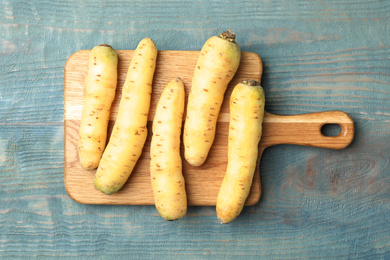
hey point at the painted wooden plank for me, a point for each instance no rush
(316, 203)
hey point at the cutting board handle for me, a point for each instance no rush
(305, 129)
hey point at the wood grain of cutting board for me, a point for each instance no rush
(202, 183)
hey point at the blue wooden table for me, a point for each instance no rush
(316, 203)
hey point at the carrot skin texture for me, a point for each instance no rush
(99, 93)
(245, 130)
(217, 63)
(129, 133)
(167, 180)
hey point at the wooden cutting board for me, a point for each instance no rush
(202, 183)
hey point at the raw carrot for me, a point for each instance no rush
(99, 92)
(166, 165)
(245, 130)
(217, 63)
(129, 133)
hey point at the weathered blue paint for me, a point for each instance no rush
(316, 203)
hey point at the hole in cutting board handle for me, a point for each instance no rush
(329, 130)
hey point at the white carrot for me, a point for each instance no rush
(245, 130)
(129, 132)
(166, 165)
(99, 92)
(217, 63)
